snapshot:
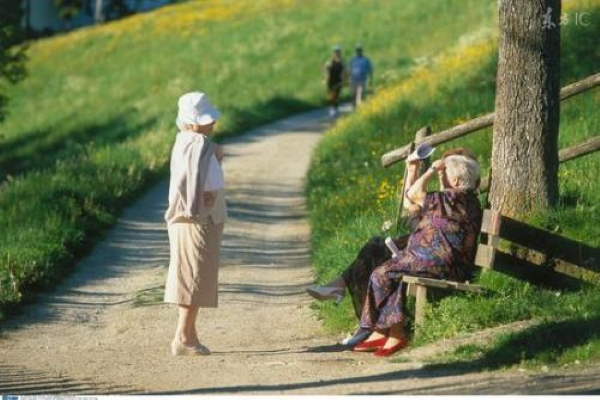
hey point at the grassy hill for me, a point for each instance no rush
(351, 195)
(92, 125)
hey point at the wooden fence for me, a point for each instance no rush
(536, 255)
(479, 123)
(586, 147)
(528, 252)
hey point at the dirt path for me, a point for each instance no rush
(105, 331)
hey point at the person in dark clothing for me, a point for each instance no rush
(335, 71)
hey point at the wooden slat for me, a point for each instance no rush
(424, 281)
(441, 284)
(420, 303)
(465, 287)
(482, 122)
(490, 222)
(589, 146)
(455, 132)
(554, 246)
(580, 86)
(535, 274)
(485, 256)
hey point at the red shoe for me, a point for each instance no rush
(381, 352)
(371, 345)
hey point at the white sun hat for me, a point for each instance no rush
(195, 109)
(422, 152)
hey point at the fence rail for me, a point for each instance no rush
(479, 123)
(589, 146)
(534, 254)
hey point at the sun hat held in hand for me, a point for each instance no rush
(195, 109)
(422, 152)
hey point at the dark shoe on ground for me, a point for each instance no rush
(326, 292)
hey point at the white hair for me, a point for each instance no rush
(464, 169)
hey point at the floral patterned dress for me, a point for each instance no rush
(442, 246)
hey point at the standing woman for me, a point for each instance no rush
(195, 218)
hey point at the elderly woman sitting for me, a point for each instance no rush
(356, 276)
(441, 246)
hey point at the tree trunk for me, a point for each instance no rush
(99, 12)
(525, 143)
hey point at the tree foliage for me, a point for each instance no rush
(12, 51)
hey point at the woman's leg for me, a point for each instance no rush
(356, 276)
(396, 335)
(383, 303)
(337, 282)
(377, 334)
(186, 325)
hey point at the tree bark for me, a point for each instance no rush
(525, 143)
(99, 12)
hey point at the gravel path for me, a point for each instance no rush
(105, 331)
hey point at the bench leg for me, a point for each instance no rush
(420, 303)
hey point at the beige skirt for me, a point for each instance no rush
(194, 265)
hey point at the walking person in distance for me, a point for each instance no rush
(335, 72)
(361, 72)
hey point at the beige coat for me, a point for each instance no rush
(195, 257)
(195, 230)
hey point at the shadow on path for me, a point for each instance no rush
(20, 381)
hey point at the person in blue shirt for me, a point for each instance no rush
(361, 72)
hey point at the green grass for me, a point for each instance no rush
(91, 126)
(551, 343)
(149, 296)
(350, 195)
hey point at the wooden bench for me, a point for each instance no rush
(536, 255)
(417, 287)
(528, 253)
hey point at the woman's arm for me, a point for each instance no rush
(414, 216)
(412, 173)
(417, 191)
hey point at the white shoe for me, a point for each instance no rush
(359, 336)
(327, 292)
(178, 348)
